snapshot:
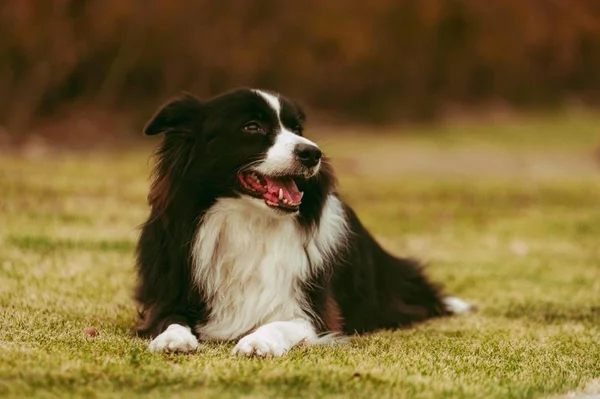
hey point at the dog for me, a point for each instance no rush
(249, 240)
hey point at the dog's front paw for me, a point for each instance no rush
(176, 338)
(261, 344)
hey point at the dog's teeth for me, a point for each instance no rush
(280, 194)
(285, 201)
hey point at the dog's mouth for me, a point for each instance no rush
(279, 192)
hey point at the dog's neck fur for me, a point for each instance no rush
(250, 263)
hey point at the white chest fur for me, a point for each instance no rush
(250, 263)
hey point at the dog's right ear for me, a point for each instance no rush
(179, 114)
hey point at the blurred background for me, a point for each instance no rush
(71, 69)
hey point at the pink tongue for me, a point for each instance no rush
(288, 186)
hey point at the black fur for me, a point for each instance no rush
(363, 288)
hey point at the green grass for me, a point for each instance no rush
(512, 226)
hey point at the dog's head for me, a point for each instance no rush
(242, 143)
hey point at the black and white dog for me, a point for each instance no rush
(248, 239)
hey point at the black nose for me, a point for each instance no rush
(308, 154)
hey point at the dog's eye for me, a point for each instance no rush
(253, 128)
(297, 130)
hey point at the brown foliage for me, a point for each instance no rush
(374, 60)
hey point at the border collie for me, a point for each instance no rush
(248, 239)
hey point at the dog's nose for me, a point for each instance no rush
(308, 154)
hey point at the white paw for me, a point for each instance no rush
(261, 344)
(175, 338)
(458, 306)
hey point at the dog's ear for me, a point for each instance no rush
(177, 115)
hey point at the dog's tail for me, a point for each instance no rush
(457, 306)
(330, 339)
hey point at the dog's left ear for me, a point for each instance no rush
(179, 114)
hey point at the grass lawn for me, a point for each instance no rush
(507, 216)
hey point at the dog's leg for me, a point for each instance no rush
(176, 338)
(275, 339)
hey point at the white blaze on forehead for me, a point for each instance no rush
(272, 100)
(280, 157)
